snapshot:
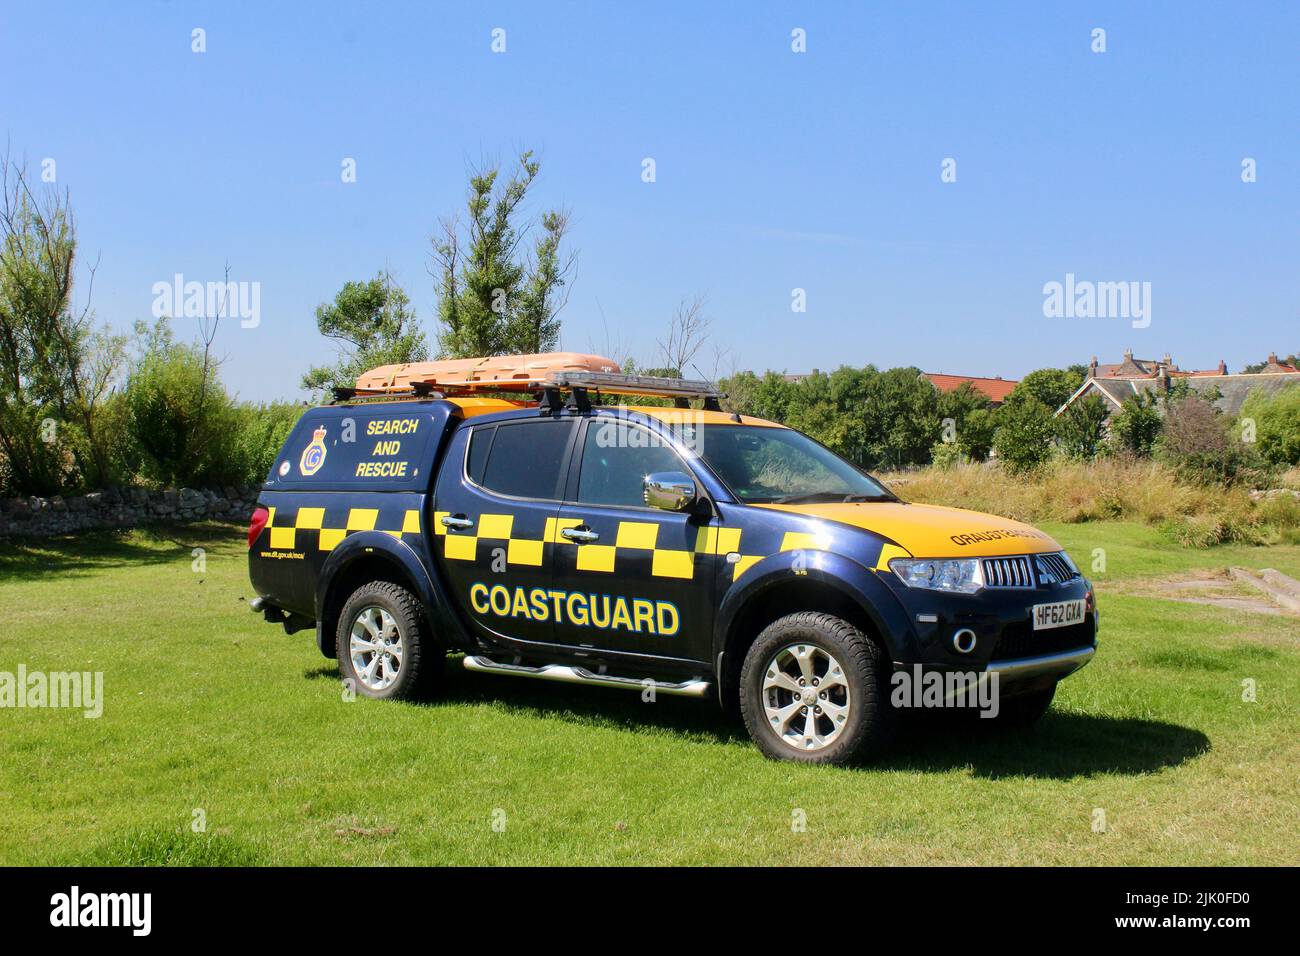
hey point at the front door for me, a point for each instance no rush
(635, 579)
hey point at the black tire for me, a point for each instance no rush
(869, 722)
(421, 657)
(1024, 711)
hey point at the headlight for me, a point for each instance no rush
(962, 575)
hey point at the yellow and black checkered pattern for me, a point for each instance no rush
(285, 537)
(634, 537)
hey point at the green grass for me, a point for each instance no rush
(209, 709)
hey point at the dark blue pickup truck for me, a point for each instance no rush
(667, 549)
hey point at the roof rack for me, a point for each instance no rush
(617, 383)
(542, 375)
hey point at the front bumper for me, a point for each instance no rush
(1033, 673)
(1005, 642)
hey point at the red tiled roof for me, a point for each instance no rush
(997, 389)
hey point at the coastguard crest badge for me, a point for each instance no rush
(313, 456)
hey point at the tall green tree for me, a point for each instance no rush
(1136, 426)
(497, 296)
(373, 324)
(57, 367)
(1081, 428)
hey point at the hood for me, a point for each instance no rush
(929, 531)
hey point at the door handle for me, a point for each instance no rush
(580, 534)
(460, 522)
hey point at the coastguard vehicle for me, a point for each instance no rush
(501, 509)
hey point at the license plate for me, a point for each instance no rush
(1060, 614)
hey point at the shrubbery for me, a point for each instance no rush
(170, 423)
(1118, 488)
(1276, 421)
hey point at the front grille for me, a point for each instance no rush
(1008, 573)
(1021, 640)
(1054, 569)
(1019, 571)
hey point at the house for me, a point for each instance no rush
(995, 389)
(1121, 381)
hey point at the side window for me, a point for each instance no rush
(615, 459)
(480, 441)
(524, 458)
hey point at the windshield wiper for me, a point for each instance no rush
(869, 498)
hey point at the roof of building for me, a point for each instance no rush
(1233, 389)
(997, 389)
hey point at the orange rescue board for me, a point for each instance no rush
(500, 371)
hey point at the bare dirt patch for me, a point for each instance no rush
(1213, 588)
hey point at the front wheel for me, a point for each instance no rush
(814, 689)
(384, 647)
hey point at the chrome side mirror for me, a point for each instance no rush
(669, 490)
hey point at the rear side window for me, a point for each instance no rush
(524, 459)
(480, 443)
(615, 460)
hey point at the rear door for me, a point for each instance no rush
(496, 505)
(634, 579)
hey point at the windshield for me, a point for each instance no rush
(781, 466)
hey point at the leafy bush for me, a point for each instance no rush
(262, 431)
(1277, 424)
(1136, 426)
(1197, 442)
(946, 454)
(184, 423)
(1023, 441)
(1081, 429)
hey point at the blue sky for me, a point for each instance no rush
(775, 170)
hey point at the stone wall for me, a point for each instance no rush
(124, 508)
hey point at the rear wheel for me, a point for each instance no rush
(384, 647)
(813, 688)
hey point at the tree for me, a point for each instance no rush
(967, 408)
(1136, 426)
(1197, 442)
(491, 299)
(56, 367)
(1048, 386)
(374, 325)
(1081, 428)
(688, 330)
(182, 420)
(1023, 441)
(1277, 424)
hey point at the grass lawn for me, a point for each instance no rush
(209, 709)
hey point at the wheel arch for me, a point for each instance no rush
(366, 557)
(829, 583)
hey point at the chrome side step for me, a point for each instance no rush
(580, 675)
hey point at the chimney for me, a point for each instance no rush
(1169, 362)
(1162, 377)
(1272, 358)
(1092, 368)
(1128, 355)
(1223, 367)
